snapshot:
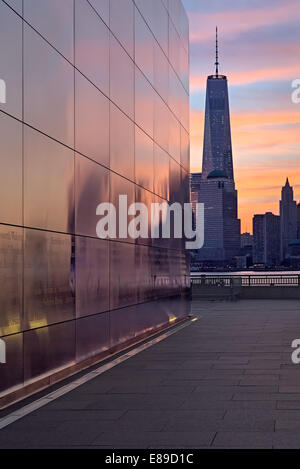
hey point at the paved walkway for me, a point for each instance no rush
(224, 381)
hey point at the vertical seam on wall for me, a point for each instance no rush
(23, 205)
(136, 249)
(74, 238)
(109, 244)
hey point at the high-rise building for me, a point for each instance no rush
(258, 240)
(195, 180)
(217, 187)
(246, 240)
(266, 239)
(272, 240)
(246, 252)
(97, 106)
(288, 216)
(298, 221)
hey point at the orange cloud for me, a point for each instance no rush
(266, 150)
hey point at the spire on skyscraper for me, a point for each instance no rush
(287, 184)
(217, 53)
(217, 188)
(217, 148)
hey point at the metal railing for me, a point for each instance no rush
(246, 280)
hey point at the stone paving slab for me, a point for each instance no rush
(225, 381)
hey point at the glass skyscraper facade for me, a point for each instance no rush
(217, 151)
(97, 106)
(216, 189)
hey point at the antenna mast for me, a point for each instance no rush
(217, 53)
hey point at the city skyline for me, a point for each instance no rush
(265, 122)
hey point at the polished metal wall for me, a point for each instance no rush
(97, 106)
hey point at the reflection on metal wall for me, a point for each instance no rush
(97, 105)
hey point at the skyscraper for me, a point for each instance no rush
(298, 221)
(217, 188)
(217, 152)
(246, 240)
(266, 236)
(272, 239)
(288, 216)
(258, 239)
(195, 180)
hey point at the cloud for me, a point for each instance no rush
(198, 82)
(235, 22)
(266, 149)
(254, 134)
(259, 188)
(260, 44)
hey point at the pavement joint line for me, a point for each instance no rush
(33, 406)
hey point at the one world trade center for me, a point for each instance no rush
(216, 188)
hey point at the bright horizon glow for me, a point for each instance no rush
(259, 49)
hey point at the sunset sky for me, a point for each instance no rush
(260, 54)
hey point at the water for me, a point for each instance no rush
(249, 272)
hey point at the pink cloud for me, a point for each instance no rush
(236, 22)
(198, 82)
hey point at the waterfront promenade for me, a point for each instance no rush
(223, 381)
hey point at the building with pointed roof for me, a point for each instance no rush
(288, 217)
(217, 187)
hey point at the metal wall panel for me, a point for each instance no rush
(11, 185)
(144, 278)
(92, 276)
(144, 103)
(54, 20)
(146, 8)
(11, 279)
(147, 198)
(161, 172)
(48, 349)
(102, 8)
(11, 372)
(128, 323)
(122, 325)
(48, 89)
(160, 26)
(161, 73)
(174, 138)
(144, 159)
(11, 59)
(122, 146)
(120, 186)
(49, 280)
(17, 5)
(121, 78)
(123, 288)
(91, 121)
(48, 183)
(174, 47)
(122, 23)
(92, 336)
(161, 122)
(185, 149)
(91, 40)
(175, 181)
(144, 47)
(91, 189)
